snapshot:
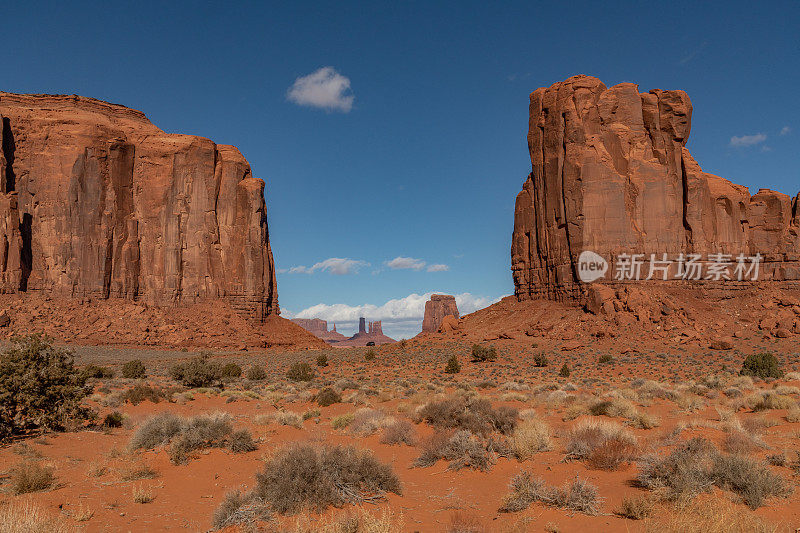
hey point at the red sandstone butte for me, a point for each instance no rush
(438, 307)
(97, 202)
(611, 174)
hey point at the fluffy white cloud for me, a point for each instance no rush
(324, 89)
(405, 263)
(335, 265)
(786, 130)
(402, 318)
(748, 140)
(438, 268)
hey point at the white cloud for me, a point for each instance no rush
(438, 268)
(335, 265)
(405, 263)
(402, 318)
(786, 130)
(324, 89)
(748, 140)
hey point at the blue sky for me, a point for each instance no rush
(419, 148)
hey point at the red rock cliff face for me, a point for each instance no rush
(611, 174)
(97, 202)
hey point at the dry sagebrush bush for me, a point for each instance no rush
(358, 521)
(399, 432)
(30, 476)
(603, 444)
(580, 495)
(462, 449)
(27, 517)
(708, 515)
(530, 437)
(303, 476)
(472, 414)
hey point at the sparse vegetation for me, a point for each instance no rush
(531, 437)
(461, 448)
(30, 476)
(230, 371)
(328, 396)
(564, 372)
(540, 360)
(475, 415)
(256, 373)
(453, 366)
(322, 360)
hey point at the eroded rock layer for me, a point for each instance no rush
(97, 202)
(611, 174)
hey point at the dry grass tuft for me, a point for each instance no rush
(530, 437)
(27, 517)
(580, 495)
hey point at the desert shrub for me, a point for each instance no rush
(367, 421)
(482, 354)
(256, 373)
(113, 419)
(564, 372)
(304, 476)
(357, 520)
(300, 372)
(204, 431)
(322, 360)
(530, 437)
(603, 445)
(580, 495)
(770, 400)
(27, 517)
(96, 372)
(636, 507)
(342, 421)
(141, 392)
(40, 388)
(238, 508)
(462, 449)
(684, 473)
(453, 366)
(753, 481)
(230, 371)
(763, 365)
(328, 396)
(30, 476)
(708, 515)
(540, 360)
(370, 355)
(288, 418)
(134, 369)
(197, 372)
(643, 420)
(399, 432)
(605, 358)
(613, 407)
(155, 431)
(475, 415)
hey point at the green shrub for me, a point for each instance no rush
(197, 372)
(328, 396)
(605, 358)
(481, 354)
(256, 373)
(564, 372)
(763, 365)
(304, 476)
(370, 355)
(453, 366)
(475, 415)
(230, 371)
(322, 360)
(300, 372)
(134, 369)
(540, 360)
(96, 372)
(40, 388)
(113, 420)
(141, 392)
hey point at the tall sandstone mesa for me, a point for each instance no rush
(97, 202)
(438, 307)
(611, 174)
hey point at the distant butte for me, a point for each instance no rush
(367, 333)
